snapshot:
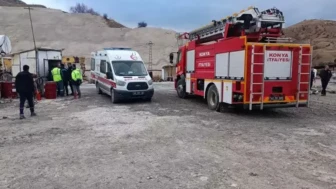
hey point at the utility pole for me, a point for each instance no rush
(31, 24)
(150, 58)
(32, 28)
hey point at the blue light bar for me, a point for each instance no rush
(117, 48)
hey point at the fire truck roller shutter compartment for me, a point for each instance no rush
(222, 72)
(191, 61)
(237, 65)
(222, 65)
(190, 68)
(278, 65)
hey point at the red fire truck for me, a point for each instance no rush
(244, 60)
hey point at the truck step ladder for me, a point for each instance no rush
(253, 74)
(300, 73)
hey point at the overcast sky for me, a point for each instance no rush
(185, 15)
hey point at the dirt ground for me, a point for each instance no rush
(167, 143)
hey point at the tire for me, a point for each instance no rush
(181, 88)
(114, 99)
(213, 98)
(99, 91)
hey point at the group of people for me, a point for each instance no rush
(65, 77)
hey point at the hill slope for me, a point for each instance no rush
(12, 3)
(80, 34)
(17, 3)
(322, 34)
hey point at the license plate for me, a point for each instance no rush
(277, 98)
(138, 93)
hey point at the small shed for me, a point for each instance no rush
(47, 59)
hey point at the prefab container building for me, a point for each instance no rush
(46, 60)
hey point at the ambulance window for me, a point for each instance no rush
(103, 66)
(109, 69)
(93, 64)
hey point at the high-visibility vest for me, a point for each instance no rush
(56, 73)
(76, 75)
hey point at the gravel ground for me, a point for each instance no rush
(168, 143)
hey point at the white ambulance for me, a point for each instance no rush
(121, 73)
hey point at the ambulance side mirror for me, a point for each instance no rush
(109, 75)
(171, 58)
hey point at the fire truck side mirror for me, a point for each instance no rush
(171, 58)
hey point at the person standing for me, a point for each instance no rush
(66, 79)
(77, 80)
(325, 76)
(70, 69)
(312, 78)
(58, 78)
(24, 84)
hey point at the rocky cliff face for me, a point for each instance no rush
(322, 35)
(80, 34)
(17, 3)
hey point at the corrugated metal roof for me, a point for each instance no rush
(38, 49)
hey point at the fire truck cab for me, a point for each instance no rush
(243, 61)
(121, 73)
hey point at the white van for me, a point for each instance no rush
(121, 73)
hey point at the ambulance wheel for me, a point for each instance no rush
(114, 99)
(99, 91)
(181, 88)
(213, 98)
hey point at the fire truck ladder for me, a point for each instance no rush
(213, 31)
(299, 78)
(253, 74)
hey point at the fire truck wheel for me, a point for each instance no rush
(181, 88)
(213, 98)
(99, 91)
(114, 99)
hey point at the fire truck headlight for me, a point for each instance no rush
(121, 83)
(150, 82)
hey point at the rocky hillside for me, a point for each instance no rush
(321, 33)
(17, 3)
(80, 34)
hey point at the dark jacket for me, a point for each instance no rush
(65, 75)
(325, 75)
(24, 82)
(70, 69)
